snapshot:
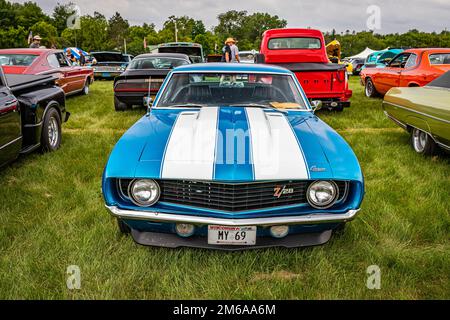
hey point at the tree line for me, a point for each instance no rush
(98, 32)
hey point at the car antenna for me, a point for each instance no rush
(149, 106)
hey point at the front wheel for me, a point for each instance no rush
(85, 90)
(370, 90)
(123, 227)
(422, 142)
(51, 131)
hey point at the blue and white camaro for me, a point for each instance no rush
(231, 156)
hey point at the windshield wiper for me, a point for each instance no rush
(186, 105)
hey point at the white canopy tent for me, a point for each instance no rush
(363, 54)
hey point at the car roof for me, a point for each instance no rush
(429, 50)
(164, 55)
(293, 32)
(28, 51)
(232, 67)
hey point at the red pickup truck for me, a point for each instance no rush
(303, 52)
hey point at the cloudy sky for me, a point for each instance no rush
(396, 16)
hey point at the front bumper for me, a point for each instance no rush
(168, 240)
(265, 221)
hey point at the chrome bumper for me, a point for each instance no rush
(269, 221)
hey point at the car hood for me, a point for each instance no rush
(232, 144)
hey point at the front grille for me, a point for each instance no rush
(234, 197)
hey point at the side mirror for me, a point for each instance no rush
(148, 102)
(316, 105)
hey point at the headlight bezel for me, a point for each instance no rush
(141, 203)
(329, 203)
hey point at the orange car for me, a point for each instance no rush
(411, 68)
(71, 78)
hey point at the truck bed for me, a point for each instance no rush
(19, 82)
(311, 66)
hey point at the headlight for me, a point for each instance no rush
(144, 192)
(322, 194)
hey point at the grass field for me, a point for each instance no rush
(52, 216)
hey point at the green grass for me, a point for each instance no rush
(52, 216)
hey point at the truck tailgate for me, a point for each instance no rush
(320, 80)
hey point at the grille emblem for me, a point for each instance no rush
(281, 190)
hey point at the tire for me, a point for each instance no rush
(51, 131)
(422, 143)
(119, 106)
(370, 90)
(123, 228)
(339, 230)
(338, 109)
(85, 90)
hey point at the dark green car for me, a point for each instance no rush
(424, 112)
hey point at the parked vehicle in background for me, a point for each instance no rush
(143, 78)
(214, 57)
(248, 56)
(380, 59)
(128, 57)
(231, 156)
(411, 68)
(109, 64)
(424, 112)
(71, 78)
(357, 65)
(193, 50)
(32, 108)
(303, 52)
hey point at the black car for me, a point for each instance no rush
(109, 64)
(357, 64)
(32, 108)
(143, 78)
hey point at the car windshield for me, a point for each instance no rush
(294, 43)
(156, 63)
(232, 89)
(17, 59)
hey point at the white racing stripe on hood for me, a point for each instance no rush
(275, 150)
(190, 151)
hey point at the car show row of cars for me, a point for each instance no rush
(233, 156)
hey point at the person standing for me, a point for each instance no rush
(36, 42)
(226, 53)
(234, 50)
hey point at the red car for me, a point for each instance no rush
(411, 68)
(72, 79)
(303, 52)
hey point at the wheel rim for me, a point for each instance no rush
(53, 132)
(369, 88)
(419, 140)
(86, 89)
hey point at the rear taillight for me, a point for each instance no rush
(139, 85)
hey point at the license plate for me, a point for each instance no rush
(106, 74)
(225, 235)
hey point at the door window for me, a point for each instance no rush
(62, 60)
(53, 61)
(411, 62)
(400, 60)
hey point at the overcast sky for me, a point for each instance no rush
(396, 16)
